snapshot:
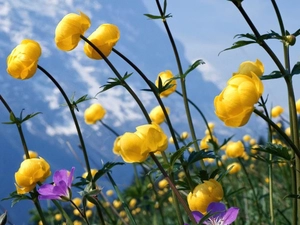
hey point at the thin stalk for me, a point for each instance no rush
(120, 196)
(160, 102)
(99, 212)
(109, 128)
(38, 206)
(182, 81)
(253, 190)
(71, 108)
(80, 211)
(19, 126)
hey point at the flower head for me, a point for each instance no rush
(61, 187)
(135, 147)
(235, 149)
(247, 67)
(235, 103)
(69, 29)
(31, 171)
(276, 111)
(105, 38)
(220, 216)
(234, 168)
(165, 79)
(157, 115)
(204, 194)
(22, 61)
(94, 113)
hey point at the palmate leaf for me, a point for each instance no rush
(112, 82)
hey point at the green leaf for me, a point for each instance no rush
(238, 44)
(112, 82)
(297, 32)
(193, 66)
(154, 17)
(3, 218)
(196, 156)
(275, 149)
(274, 75)
(16, 198)
(296, 69)
(79, 100)
(178, 154)
(106, 168)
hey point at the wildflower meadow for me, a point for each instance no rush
(179, 176)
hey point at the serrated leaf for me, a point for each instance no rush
(274, 75)
(296, 69)
(112, 82)
(196, 156)
(277, 150)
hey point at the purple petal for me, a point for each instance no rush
(46, 189)
(218, 209)
(60, 175)
(70, 178)
(197, 215)
(231, 215)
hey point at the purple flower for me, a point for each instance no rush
(61, 187)
(220, 216)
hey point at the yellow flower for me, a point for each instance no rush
(157, 115)
(90, 204)
(58, 217)
(204, 194)
(32, 154)
(77, 222)
(235, 149)
(132, 203)
(22, 61)
(69, 29)
(104, 38)
(93, 172)
(234, 167)
(276, 111)
(246, 138)
(236, 102)
(94, 113)
(247, 67)
(109, 192)
(163, 183)
(204, 142)
(117, 204)
(135, 147)
(77, 201)
(30, 172)
(165, 78)
(184, 135)
(298, 106)
(88, 213)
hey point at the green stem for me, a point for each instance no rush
(99, 212)
(182, 81)
(71, 108)
(109, 128)
(19, 126)
(38, 206)
(160, 102)
(80, 211)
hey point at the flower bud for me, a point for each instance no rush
(157, 115)
(94, 113)
(235, 149)
(276, 111)
(290, 40)
(234, 168)
(165, 78)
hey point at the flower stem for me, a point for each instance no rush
(80, 211)
(19, 126)
(182, 81)
(38, 206)
(109, 128)
(71, 108)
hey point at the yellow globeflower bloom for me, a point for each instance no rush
(104, 38)
(58, 217)
(117, 204)
(157, 115)
(69, 29)
(235, 149)
(276, 111)
(204, 142)
(132, 203)
(235, 103)
(77, 201)
(77, 222)
(184, 135)
(204, 194)
(247, 67)
(88, 213)
(246, 138)
(93, 172)
(94, 113)
(32, 154)
(135, 147)
(163, 183)
(298, 106)
(165, 78)
(90, 204)
(288, 131)
(109, 193)
(30, 172)
(22, 61)
(234, 167)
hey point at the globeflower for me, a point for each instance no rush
(165, 79)
(69, 29)
(220, 216)
(234, 168)
(61, 187)
(204, 142)
(276, 111)
(298, 106)
(104, 38)
(22, 61)
(249, 67)
(235, 104)
(31, 171)
(157, 115)
(204, 194)
(94, 113)
(235, 149)
(135, 147)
